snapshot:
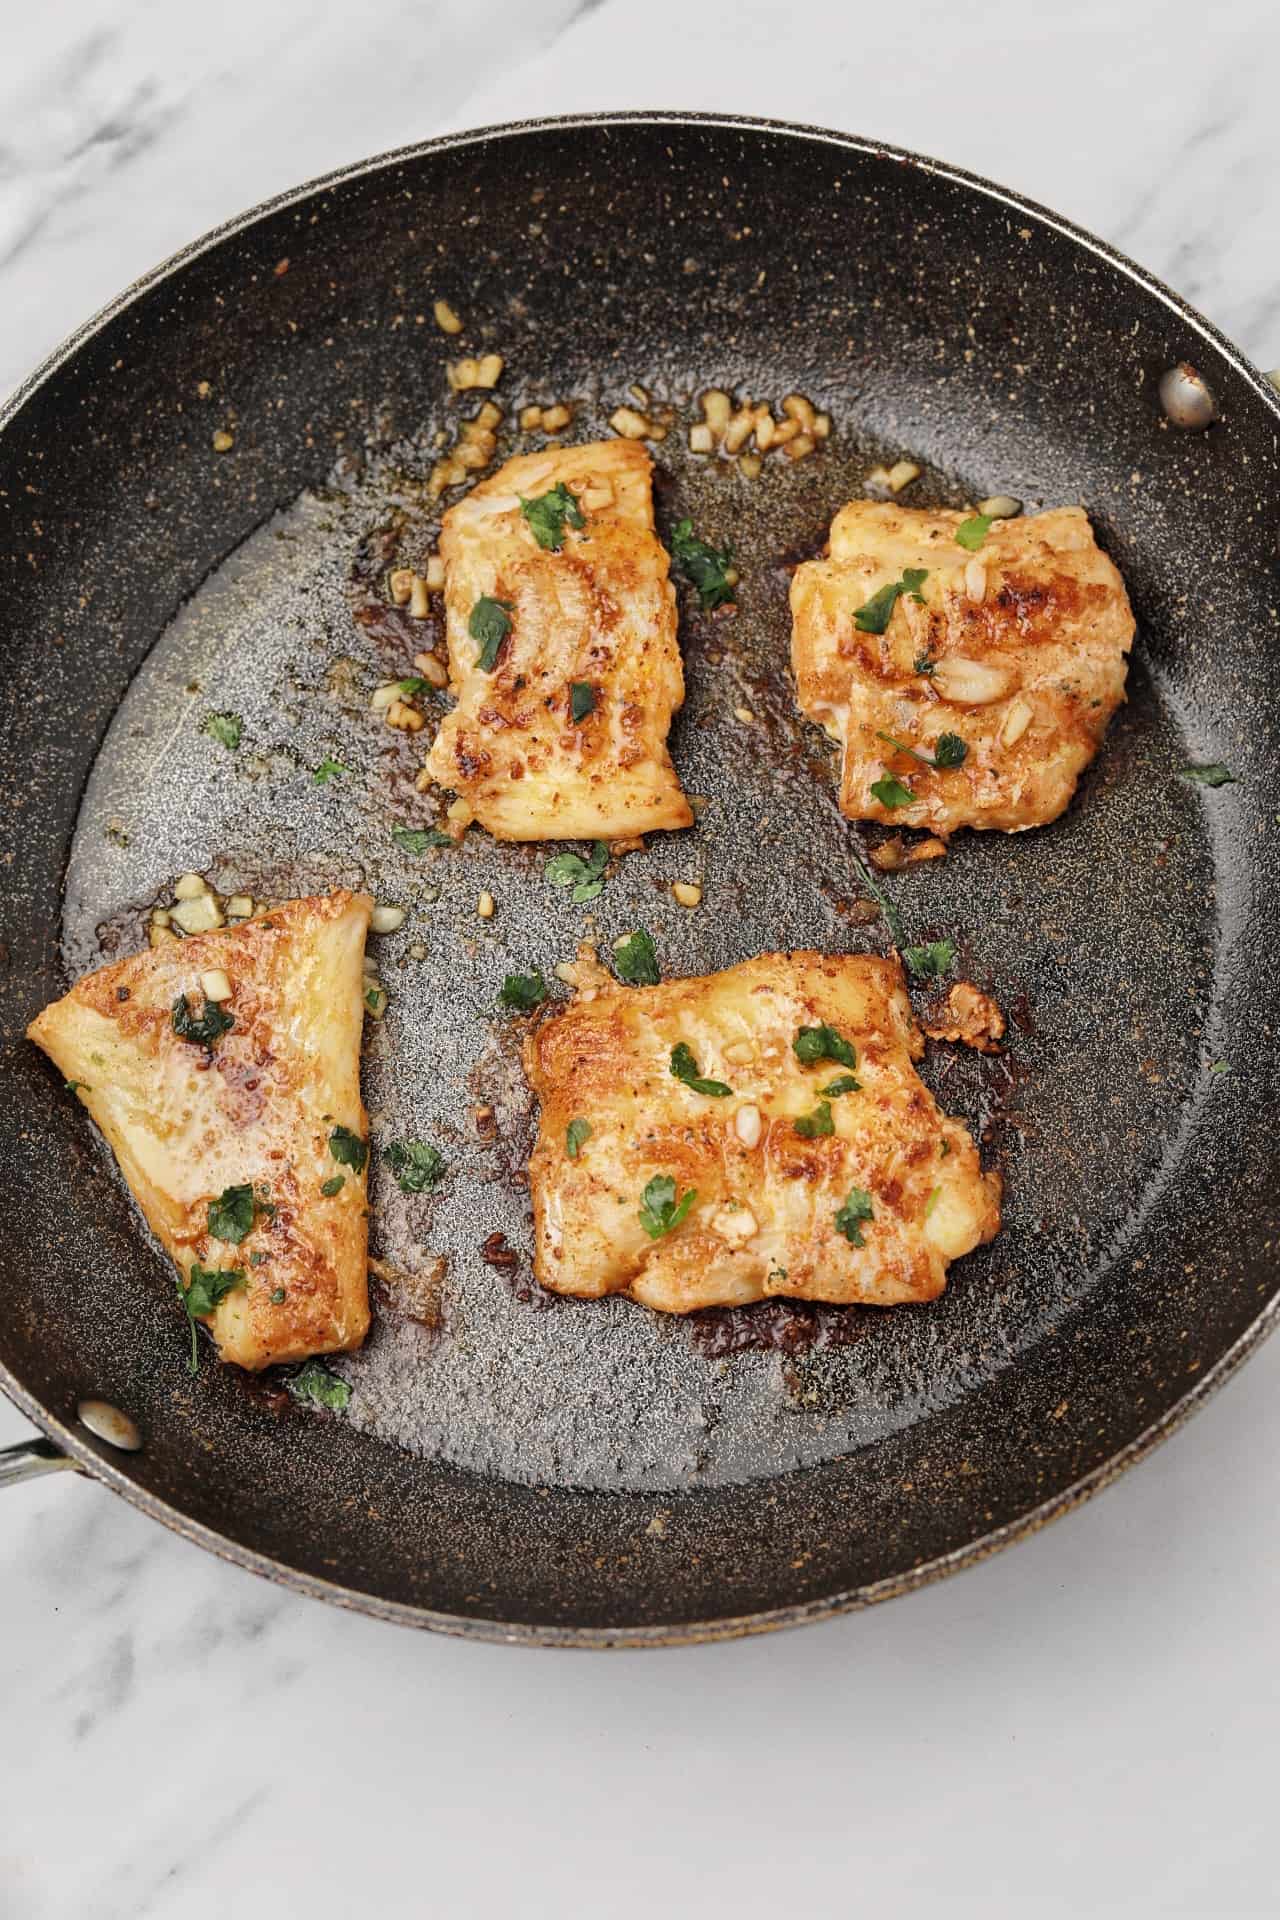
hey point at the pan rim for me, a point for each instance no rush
(711, 1628)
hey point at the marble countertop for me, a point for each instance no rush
(1086, 1724)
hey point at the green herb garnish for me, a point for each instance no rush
(706, 566)
(417, 1166)
(812, 1126)
(855, 1210)
(1219, 1066)
(932, 1201)
(277, 1296)
(329, 1187)
(843, 1083)
(970, 534)
(319, 1386)
(550, 513)
(950, 751)
(930, 962)
(1213, 775)
(685, 1069)
(890, 792)
(231, 1214)
(523, 991)
(659, 1210)
(73, 1086)
(586, 877)
(201, 1295)
(417, 840)
(925, 663)
(201, 1030)
(490, 623)
(576, 1135)
(328, 770)
(636, 959)
(874, 616)
(225, 728)
(812, 1044)
(348, 1149)
(582, 700)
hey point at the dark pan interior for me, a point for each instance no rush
(1133, 940)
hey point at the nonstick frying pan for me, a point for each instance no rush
(587, 1473)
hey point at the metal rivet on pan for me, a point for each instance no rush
(1186, 398)
(109, 1424)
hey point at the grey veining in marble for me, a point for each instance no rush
(1085, 1725)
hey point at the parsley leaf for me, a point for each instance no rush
(320, 1386)
(812, 1044)
(1219, 1066)
(1214, 775)
(201, 1295)
(416, 840)
(685, 1068)
(856, 1209)
(636, 959)
(413, 684)
(970, 534)
(277, 1296)
(576, 1135)
(582, 700)
(950, 750)
(924, 663)
(523, 991)
(586, 877)
(874, 616)
(659, 1210)
(231, 1214)
(932, 961)
(348, 1149)
(890, 792)
(329, 1187)
(202, 1030)
(811, 1126)
(74, 1086)
(843, 1083)
(328, 770)
(416, 1165)
(550, 513)
(490, 623)
(706, 566)
(225, 728)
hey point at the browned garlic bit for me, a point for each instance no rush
(629, 424)
(896, 477)
(475, 448)
(196, 908)
(445, 317)
(796, 429)
(972, 1017)
(484, 372)
(687, 892)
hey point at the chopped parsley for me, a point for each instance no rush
(328, 770)
(329, 1187)
(320, 1386)
(74, 1086)
(660, 1212)
(855, 1210)
(576, 1135)
(225, 728)
(874, 616)
(582, 700)
(348, 1149)
(417, 1166)
(706, 566)
(523, 991)
(890, 792)
(812, 1044)
(375, 998)
(1213, 775)
(490, 623)
(550, 513)
(925, 663)
(413, 684)
(812, 1126)
(636, 959)
(417, 840)
(201, 1030)
(685, 1069)
(932, 1201)
(586, 877)
(1219, 1066)
(930, 962)
(201, 1295)
(231, 1214)
(970, 534)
(277, 1296)
(949, 751)
(843, 1083)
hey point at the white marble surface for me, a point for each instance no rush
(1086, 1725)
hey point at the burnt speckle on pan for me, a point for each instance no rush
(146, 581)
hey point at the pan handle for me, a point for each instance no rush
(32, 1457)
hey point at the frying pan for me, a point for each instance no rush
(588, 1473)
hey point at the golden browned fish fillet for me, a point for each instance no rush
(257, 1106)
(600, 615)
(1018, 649)
(871, 1210)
